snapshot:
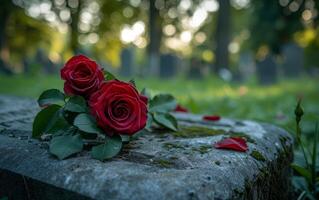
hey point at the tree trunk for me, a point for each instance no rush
(74, 32)
(5, 9)
(155, 35)
(222, 35)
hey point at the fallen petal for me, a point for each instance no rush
(232, 143)
(179, 108)
(211, 117)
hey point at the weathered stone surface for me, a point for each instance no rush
(160, 165)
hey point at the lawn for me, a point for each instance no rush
(273, 104)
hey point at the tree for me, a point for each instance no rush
(222, 35)
(155, 35)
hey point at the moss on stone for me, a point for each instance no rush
(242, 135)
(169, 146)
(164, 163)
(197, 131)
(202, 149)
(257, 155)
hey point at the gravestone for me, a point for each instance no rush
(41, 59)
(157, 165)
(168, 65)
(293, 60)
(267, 70)
(195, 69)
(127, 62)
(246, 66)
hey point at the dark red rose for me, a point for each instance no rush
(118, 108)
(82, 76)
(211, 117)
(179, 108)
(233, 143)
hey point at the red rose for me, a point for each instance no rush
(118, 108)
(82, 76)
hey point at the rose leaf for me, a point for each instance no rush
(166, 120)
(52, 96)
(108, 76)
(57, 124)
(66, 145)
(40, 122)
(86, 123)
(76, 104)
(149, 122)
(162, 103)
(108, 150)
(125, 138)
(146, 93)
(132, 81)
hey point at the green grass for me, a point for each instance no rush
(273, 104)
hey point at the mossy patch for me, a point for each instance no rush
(164, 163)
(197, 131)
(170, 146)
(257, 155)
(242, 135)
(202, 149)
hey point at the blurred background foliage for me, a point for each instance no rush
(236, 58)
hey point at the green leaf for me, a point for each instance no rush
(66, 145)
(166, 120)
(108, 150)
(58, 123)
(302, 171)
(76, 104)
(40, 122)
(132, 81)
(52, 96)
(149, 122)
(86, 123)
(108, 76)
(125, 138)
(146, 93)
(162, 103)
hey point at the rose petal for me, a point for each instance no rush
(233, 143)
(179, 108)
(211, 117)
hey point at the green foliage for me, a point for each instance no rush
(165, 120)
(86, 123)
(108, 76)
(159, 108)
(162, 103)
(109, 149)
(52, 96)
(42, 119)
(279, 22)
(310, 187)
(66, 145)
(76, 104)
(125, 138)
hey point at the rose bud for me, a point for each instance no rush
(82, 76)
(118, 108)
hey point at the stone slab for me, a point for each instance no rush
(157, 165)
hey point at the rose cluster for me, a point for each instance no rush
(117, 106)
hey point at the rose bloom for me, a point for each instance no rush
(82, 76)
(118, 108)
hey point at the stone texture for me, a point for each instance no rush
(158, 165)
